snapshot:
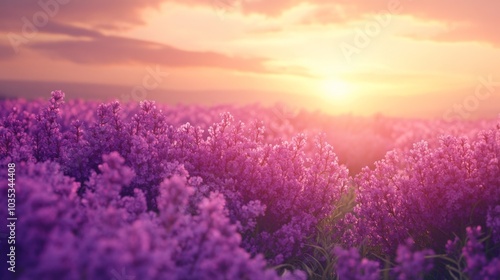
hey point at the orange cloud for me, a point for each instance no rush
(119, 50)
(95, 13)
(476, 20)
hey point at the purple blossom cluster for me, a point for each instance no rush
(350, 265)
(66, 236)
(148, 191)
(412, 264)
(409, 264)
(429, 193)
(474, 259)
(493, 222)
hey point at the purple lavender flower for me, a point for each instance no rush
(493, 222)
(350, 266)
(160, 192)
(412, 264)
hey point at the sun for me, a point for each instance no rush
(337, 90)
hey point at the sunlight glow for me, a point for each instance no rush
(337, 90)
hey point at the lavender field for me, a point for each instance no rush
(149, 191)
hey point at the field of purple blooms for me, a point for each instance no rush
(150, 191)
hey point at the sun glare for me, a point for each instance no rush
(337, 90)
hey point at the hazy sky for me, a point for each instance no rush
(354, 56)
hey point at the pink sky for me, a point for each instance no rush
(399, 57)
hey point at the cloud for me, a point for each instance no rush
(331, 14)
(477, 20)
(92, 13)
(6, 52)
(120, 50)
(75, 31)
(468, 20)
(487, 34)
(91, 19)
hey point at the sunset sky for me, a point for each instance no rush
(408, 58)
